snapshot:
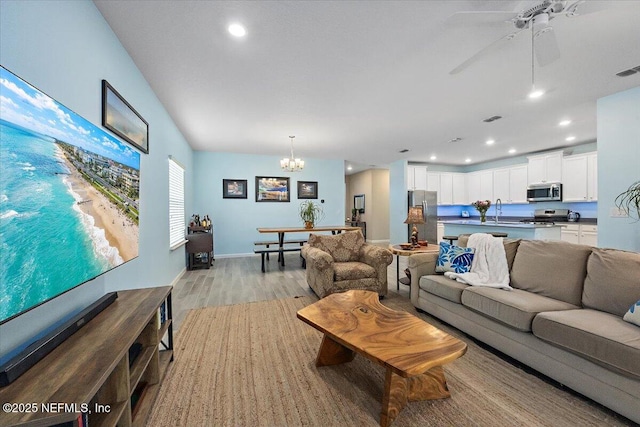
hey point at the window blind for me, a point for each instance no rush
(176, 204)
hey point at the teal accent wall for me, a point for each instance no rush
(235, 220)
(398, 202)
(65, 49)
(618, 166)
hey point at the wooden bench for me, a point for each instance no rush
(266, 251)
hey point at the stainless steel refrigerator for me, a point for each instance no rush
(428, 200)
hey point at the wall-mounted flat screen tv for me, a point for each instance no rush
(68, 198)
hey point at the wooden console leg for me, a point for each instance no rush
(333, 353)
(394, 399)
(430, 385)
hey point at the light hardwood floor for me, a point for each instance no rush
(240, 280)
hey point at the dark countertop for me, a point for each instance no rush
(588, 221)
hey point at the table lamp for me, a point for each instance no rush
(415, 216)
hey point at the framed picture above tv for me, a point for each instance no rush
(307, 189)
(272, 189)
(69, 198)
(234, 188)
(122, 119)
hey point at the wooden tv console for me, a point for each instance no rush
(89, 375)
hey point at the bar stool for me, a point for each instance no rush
(450, 238)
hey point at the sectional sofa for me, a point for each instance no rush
(563, 318)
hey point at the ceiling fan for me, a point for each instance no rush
(535, 18)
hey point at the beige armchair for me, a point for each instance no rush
(343, 262)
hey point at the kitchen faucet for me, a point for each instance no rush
(498, 209)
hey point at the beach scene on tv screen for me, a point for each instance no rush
(69, 198)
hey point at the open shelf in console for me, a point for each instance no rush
(91, 372)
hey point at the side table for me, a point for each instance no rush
(398, 252)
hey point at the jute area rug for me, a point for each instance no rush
(253, 365)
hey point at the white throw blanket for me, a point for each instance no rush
(489, 265)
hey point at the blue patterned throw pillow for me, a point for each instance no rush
(633, 315)
(454, 258)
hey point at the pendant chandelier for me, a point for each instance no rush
(292, 164)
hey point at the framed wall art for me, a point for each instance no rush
(234, 188)
(272, 189)
(307, 189)
(122, 119)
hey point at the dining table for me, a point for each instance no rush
(281, 231)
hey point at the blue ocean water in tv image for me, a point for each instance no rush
(46, 246)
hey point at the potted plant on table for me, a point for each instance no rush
(482, 206)
(310, 213)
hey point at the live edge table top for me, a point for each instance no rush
(395, 339)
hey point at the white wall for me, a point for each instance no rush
(235, 220)
(65, 49)
(618, 166)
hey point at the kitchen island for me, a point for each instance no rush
(515, 230)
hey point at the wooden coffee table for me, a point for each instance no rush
(412, 350)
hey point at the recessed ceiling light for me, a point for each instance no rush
(237, 30)
(490, 141)
(536, 93)
(565, 123)
(512, 151)
(570, 138)
(467, 160)
(349, 167)
(433, 157)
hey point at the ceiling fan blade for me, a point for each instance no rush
(493, 46)
(583, 7)
(546, 46)
(482, 18)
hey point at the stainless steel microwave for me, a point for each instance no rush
(544, 192)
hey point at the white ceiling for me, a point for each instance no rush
(360, 81)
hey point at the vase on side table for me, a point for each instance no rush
(483, 217)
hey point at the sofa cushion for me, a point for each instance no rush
(515, 308)
(510, 247)
(552, 269)
(353, 270)
(601, 337)
(613, 281)
(454, 258)
(633, 315)
(443, 287)
(342, 247)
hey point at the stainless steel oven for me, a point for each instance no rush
(544, 192)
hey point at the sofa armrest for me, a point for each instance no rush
(378, 258)
(319, 270)
(421, 265)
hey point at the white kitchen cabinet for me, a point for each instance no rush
(501, 184)
(486, 185)
(570, 233)
(545, 167)
(433, 182)
(411, 184)
(589, 235)
(459, 183)
(580, 178)
(445, 195)
(518, 184)
(592, 177)
(473, 187)
(584, 234)
(420, 177)
(440, 231)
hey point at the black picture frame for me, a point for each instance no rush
(122, 119)
(272, 189)
(307, 189)
(234, 188)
